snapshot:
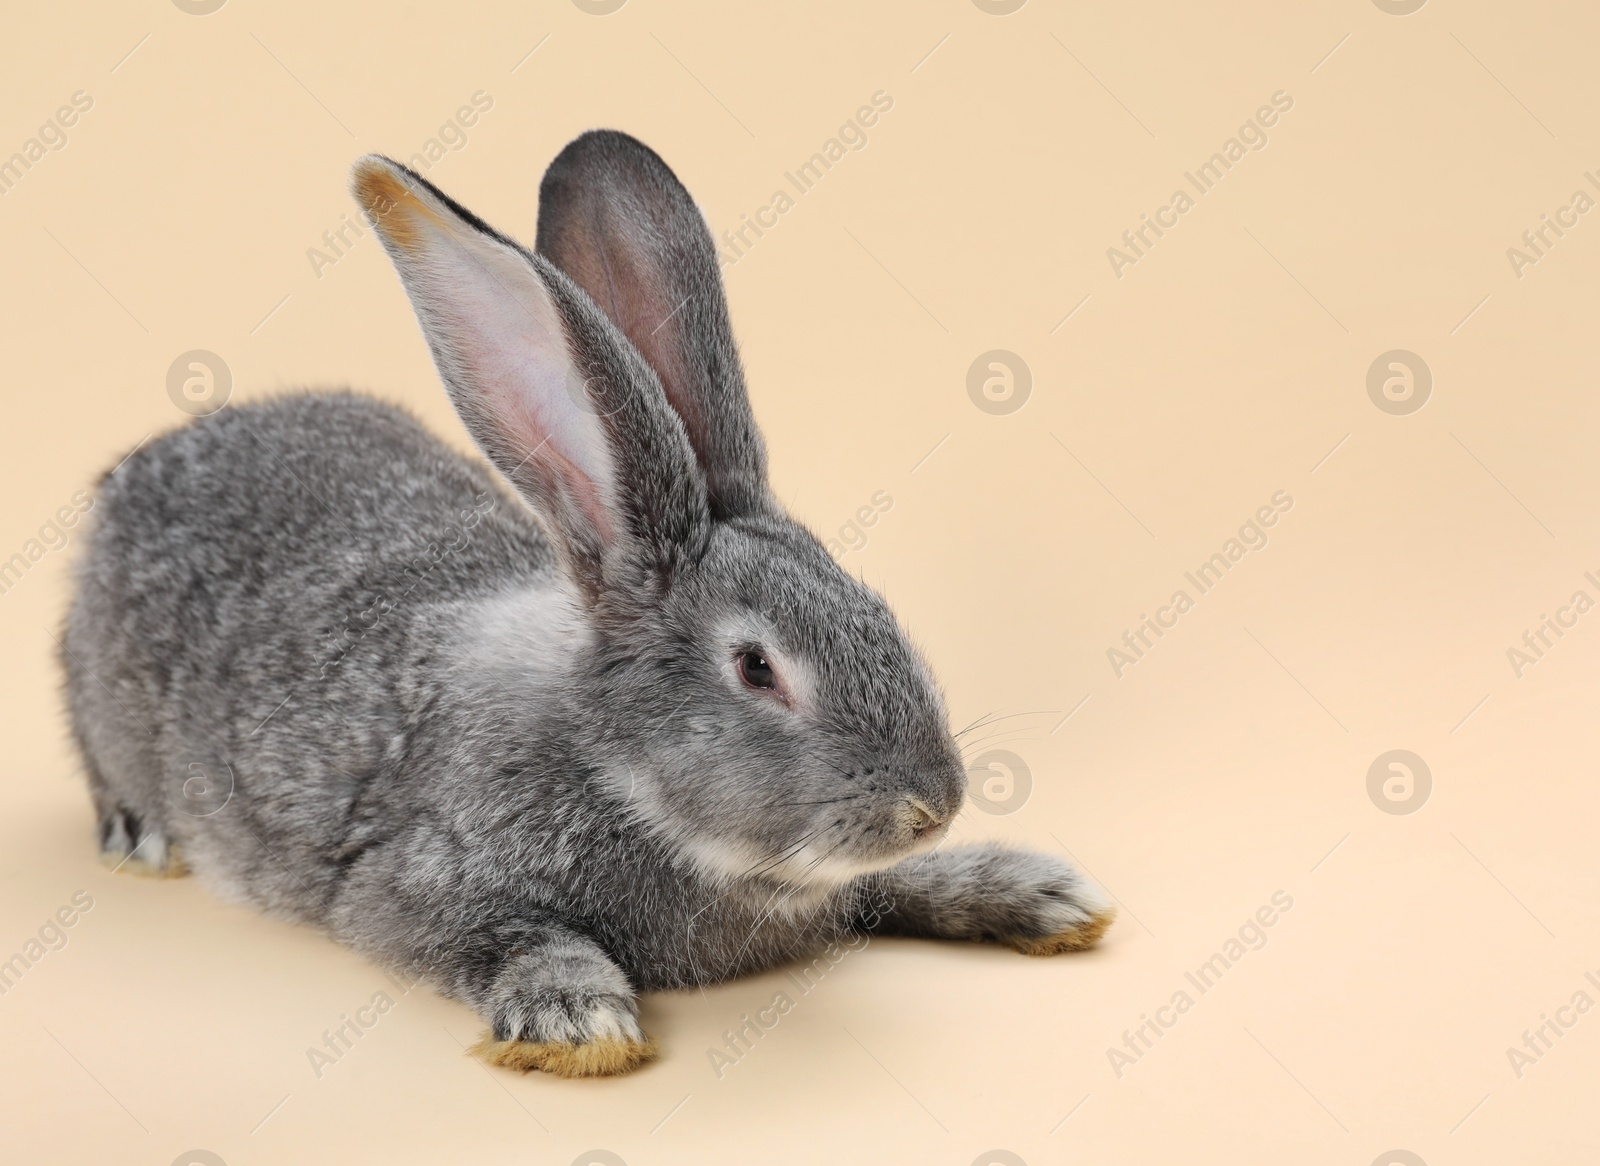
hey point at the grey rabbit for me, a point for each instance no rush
(595, 719)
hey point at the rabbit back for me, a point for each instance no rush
(257, 595)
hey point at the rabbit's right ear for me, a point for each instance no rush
(614, 217)
(561, 404)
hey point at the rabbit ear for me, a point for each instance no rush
(559, 402)
(615, 219)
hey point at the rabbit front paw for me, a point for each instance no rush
(1042, 906)
(1033, 902)
(564, 1009)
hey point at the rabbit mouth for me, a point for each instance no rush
(824, 861)
(825, 867)
(922, 822)
(821, 853)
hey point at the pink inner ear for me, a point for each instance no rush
(625, 283)
(533, 443)
(657, 322)
(505, 338)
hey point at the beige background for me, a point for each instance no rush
(1228, 764)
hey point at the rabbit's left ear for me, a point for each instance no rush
(617, 221)
(559, 401)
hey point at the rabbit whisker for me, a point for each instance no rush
(973, 725)
(1006, 736)
(788, 853)
(771, 908)
(822, 802)
(991, 719)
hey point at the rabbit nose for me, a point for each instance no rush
(921, 819)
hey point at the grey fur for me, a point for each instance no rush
(488, 737)
(618, 222)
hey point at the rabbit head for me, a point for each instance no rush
(762, 710)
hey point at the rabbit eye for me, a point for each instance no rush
(756, 671)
